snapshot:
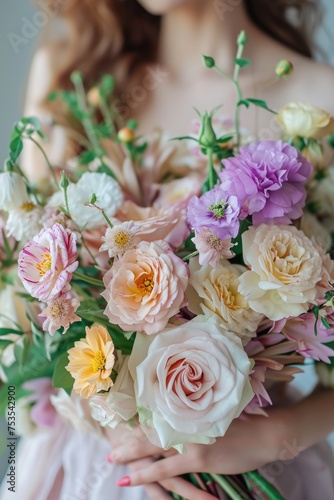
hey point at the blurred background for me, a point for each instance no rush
(21, 26)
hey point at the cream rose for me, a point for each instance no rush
(191, 381)
(215, 291)
(305, 120)
(285, 269)
(145, 287)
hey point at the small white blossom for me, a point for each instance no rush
(13, 191)
(120, 238)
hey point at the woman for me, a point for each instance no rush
(160, 42)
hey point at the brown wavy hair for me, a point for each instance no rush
(118, 36)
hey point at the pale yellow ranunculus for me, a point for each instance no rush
(305, 120)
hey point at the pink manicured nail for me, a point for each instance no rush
(109, 458)
(125, 481)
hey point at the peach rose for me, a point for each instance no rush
(145, 287)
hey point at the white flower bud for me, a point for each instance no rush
(13, 191)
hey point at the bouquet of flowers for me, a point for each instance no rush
(169, 282)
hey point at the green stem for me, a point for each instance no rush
(88, 279)
(267, 488)
(239, 95)
(225, 485)
(66, 202)
(211, 168)
(190, 256)
(46, 159)
(222, 73)
(86, 121)
(107, 219)
(108, 117)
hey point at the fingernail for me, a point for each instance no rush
(125, 481)
(109, 458)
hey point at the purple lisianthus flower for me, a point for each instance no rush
(215, 210)
(269, 179)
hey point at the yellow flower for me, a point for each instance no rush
(91, 361)
(305, 120)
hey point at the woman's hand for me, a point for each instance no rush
(248, 444)
(155, 490)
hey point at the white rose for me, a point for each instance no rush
(13, 191)
(119, 404)
(217, 293)
(191, 381)
(305, 120)
(285, 269)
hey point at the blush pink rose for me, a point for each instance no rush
(47, 262)
(191, 381)
(145, 287)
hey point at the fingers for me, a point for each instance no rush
(134, 449)
(154, 491)
(158, 471)
(185, 489)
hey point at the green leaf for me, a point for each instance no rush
(62, 378)
(325, 323)
(7, 331)
(21, 352)
(261, 104)
(244, 225)
(225, 138)
(107, 85)
(242, 62)
(315, 310)
(87, 157)
(243, 102)
(15, 146)
(103, 131)
(182, 138)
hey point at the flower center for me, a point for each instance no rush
(45, 265)
(145, 283)
(28, 207)
(218, 209)
(99, 362)
(122, 239)
(214, 242)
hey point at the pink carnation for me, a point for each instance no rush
(47, 262)
(145, 287)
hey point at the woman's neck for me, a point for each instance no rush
(202, 27)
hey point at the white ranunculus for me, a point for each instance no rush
(305, 120)
(74, 410)
(215, 291)
(109, 197)
(119, 404)
(285, 267)
(191, 381)
(13, 191)
(24, 222)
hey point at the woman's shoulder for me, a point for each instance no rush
(311, 81)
